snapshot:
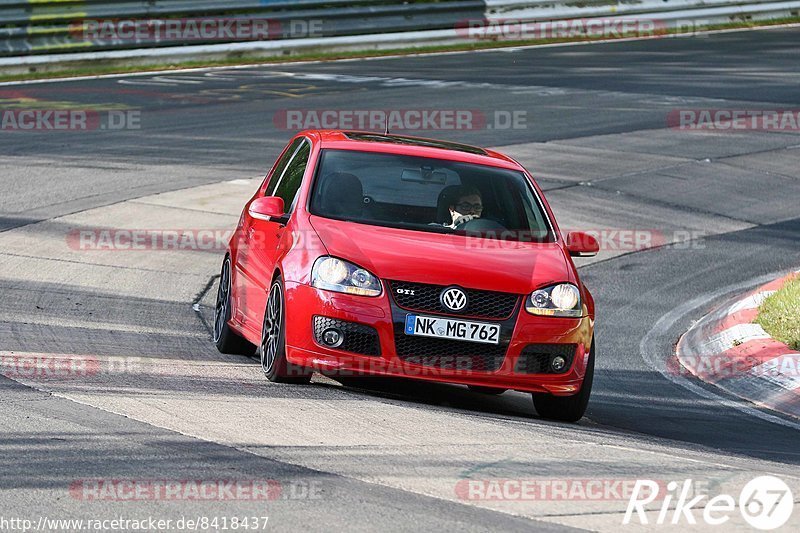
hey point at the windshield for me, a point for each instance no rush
(425, 194)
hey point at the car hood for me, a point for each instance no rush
(443, 259)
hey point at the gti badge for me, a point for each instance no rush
(453, 299)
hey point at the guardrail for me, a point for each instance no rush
(728, 10)
(58, 26)
(33, 27)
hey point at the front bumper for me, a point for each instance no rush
(304, 302)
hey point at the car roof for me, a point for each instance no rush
(406, 144)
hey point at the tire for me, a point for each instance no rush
(567, 408)
(272, 350)
(486, 390)
(227, 340)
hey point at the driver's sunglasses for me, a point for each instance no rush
(466, 206)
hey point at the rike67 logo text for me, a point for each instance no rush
(765, 503)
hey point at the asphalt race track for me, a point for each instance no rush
(389, 454)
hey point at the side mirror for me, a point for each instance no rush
(580, 244)
(266, 208)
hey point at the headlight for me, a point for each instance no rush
(333, 274)
(558, 300)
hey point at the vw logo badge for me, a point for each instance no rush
(453, 299)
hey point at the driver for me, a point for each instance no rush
(466, 205)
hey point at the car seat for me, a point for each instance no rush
(341, 195)
(443, 204)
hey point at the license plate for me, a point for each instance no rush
(448, 328)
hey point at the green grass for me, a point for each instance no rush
(100, 67)
(779, 315)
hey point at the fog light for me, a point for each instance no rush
(332, 337)
(558, 363)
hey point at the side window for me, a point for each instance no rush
(281, 166)
(293, 176)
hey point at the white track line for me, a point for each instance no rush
(393, 56)
(751, 302)
(662, 326)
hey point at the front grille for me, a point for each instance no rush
(482, 304)
(449, 354)
(535, 358)
(358, 338)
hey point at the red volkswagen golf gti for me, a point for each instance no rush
(369, 254)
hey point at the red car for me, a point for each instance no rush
(378, 254)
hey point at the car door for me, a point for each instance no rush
(244, 282)
(264, 236)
